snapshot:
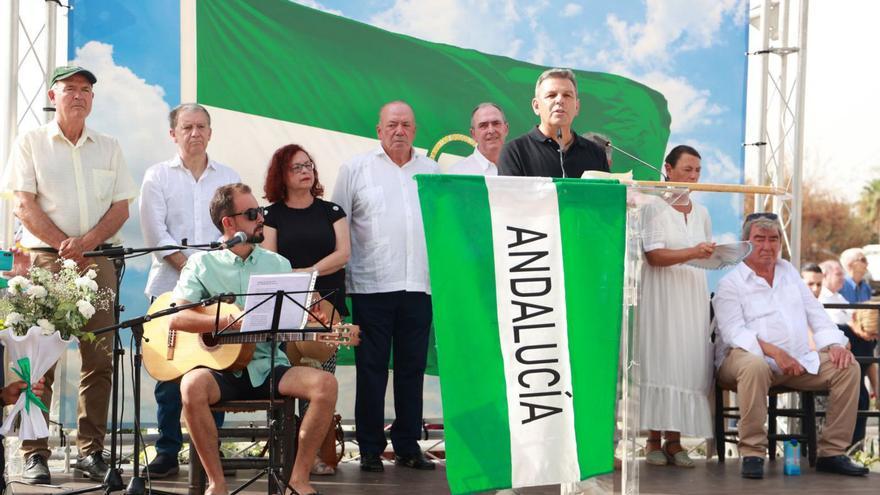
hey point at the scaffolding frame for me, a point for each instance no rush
(782, 27)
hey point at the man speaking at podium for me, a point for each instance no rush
(552, 149)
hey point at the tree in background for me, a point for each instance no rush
(869, 204)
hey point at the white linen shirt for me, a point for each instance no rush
(75, 184)
(475, 164)
(174, 206)
(838, 316)
(388, 250)
(748, 309)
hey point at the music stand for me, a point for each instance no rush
(274, 336)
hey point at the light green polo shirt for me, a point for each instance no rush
(210, 273)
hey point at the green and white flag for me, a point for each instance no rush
(273, 72)
(527, 284)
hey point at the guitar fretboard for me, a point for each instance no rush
(257, 337)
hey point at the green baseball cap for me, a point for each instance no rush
(65, 71)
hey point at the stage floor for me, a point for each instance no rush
(707, 477)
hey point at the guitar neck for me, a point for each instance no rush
(257, 337)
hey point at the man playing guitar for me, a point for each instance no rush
(234, 209)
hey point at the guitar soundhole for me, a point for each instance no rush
(209, 340)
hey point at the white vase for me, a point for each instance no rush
(43, 351)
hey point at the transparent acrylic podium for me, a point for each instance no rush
(629, 381)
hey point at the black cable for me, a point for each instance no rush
(68, 6)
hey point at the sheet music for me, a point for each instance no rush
(292, 315)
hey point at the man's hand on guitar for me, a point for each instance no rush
(317, 315)
(233, 321)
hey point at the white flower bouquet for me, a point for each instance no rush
(40, 315)
(59, 302)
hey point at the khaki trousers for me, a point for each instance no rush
(97, 369)
(750, 376)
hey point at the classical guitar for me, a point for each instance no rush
(169, 353)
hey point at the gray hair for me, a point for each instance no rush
(187, 107)
(601, 141)
(829, 265)
(761, 223)
(849, 255)
(483, 105)
(394, 102)
(557, 73)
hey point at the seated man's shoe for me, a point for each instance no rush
(752, 467)
(415, 461)
(840, 464)
(92, 466)
(372, 463)
(36, 471)
(163, 465)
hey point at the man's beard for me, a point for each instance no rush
(256, 238)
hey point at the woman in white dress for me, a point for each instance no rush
(673, 311)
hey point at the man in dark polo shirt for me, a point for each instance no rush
(552, 149)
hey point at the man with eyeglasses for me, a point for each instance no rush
(72, 189)
(764, 313)
(174, 200)
(489, 129)
(234, 209)
(856, 289)
(387, 278)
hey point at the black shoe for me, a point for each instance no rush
(415, 461)
(371, 463)
(92, 466)
(753, 467)
(163, 465)
(840, 464)
(36, 471)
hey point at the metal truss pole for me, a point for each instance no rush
(782, 89)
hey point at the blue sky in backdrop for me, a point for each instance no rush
(691, 51)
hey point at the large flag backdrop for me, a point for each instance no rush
(274, 72)
(527, 282)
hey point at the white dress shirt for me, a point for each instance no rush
(838, 316)
(748, 309)
(475, 164)
(75, 183)
(173, 207)
(388, 250)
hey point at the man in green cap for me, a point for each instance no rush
(72, 189)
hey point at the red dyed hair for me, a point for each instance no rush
(275, 188)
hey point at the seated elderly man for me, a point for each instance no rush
(764, 312)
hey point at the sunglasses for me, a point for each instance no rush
(762, 214)
(251, 213)
(300, 167)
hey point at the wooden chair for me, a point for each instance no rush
(285, 447)
(806, 413)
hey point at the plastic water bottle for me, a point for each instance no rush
(792, 453)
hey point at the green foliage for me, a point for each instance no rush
(62, 301)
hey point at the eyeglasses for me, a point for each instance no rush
(299, 167)
(762, 214)
(862, 259)
(251, 213)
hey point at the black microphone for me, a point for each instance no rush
(238, 238)
(559, 142)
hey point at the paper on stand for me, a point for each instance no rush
(259, 316)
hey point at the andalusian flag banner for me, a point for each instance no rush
(527, 283)
(283, 61)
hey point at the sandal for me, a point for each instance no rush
(680, 458)
(657, 457)
(321, 468)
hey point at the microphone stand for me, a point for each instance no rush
(113, 480)
(559, 148)
(639, 160)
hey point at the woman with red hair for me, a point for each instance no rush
(310, 232)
